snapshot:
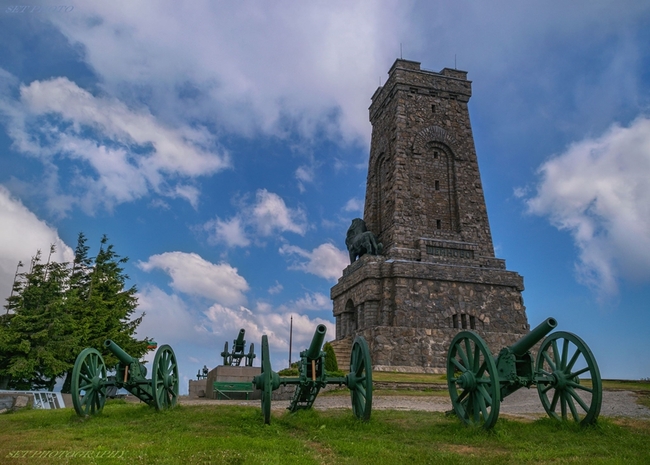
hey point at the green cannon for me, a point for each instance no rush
(565, 373)
(313, 376)
(90, 383)
(238, 346)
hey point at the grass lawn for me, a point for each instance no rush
(217, 434)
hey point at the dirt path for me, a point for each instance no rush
(524, 403)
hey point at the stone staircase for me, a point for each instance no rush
(342, 349)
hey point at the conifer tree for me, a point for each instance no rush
(58, 309)
(101, 305)
(39, 334)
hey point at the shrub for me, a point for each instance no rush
(331, 364)
(289, 372)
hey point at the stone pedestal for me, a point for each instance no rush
(408, 311)
(234, 374)
(197, 388)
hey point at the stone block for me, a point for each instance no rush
(234, 374)
(197, 388)
(21, 402)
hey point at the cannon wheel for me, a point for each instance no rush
(360, 379)
(562, 358)
(250, 356)
(266, 380)
(89, 376)
(164, 378)
(226, 355)
(472, 371)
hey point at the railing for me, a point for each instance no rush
(42, 399)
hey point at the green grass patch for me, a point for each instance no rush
(221, 434)
(626, 385)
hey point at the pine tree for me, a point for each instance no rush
(113, 305)
(6, 350)
(101, 305)
(39, 334)
(57, 309)
(76, 297)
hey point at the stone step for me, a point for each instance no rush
(342, 349)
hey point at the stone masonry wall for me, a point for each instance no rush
(423, 176)
(438, 273)
(421, 349)
(428, 296)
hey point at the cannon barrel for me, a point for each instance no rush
(317, 342)
(524, 344)
(122, 356)
(239, 342)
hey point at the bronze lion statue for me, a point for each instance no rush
(360, 241)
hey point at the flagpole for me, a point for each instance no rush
(290, 339)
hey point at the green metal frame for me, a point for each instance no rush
(221, 387)
(88, 385)
(478, 382)
(473, 380)
(313, 377)
(89, 380)
(235, 357)
(562, 358)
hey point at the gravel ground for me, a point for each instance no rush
(524, 403)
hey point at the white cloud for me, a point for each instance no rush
(21, 235)
(260, 65)
(304, 175)
(119, 153)
(167, 318)
(520, 192)
(262, 306)
(325, 260)
(310, 301)
(599, 191)
(268, 215)
(354, 205)
(303, 330)
(225, 322)
(230, 232)
(276, 289)
(193, 275)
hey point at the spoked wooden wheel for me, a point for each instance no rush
(562, 360)
(266, 381)
(88, 385)
(359, 380)
(165, 378)
(227, 359)
(250, 356)
(472, 371)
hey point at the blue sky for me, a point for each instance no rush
(222, 146)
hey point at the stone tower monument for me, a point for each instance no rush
(437, 273)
